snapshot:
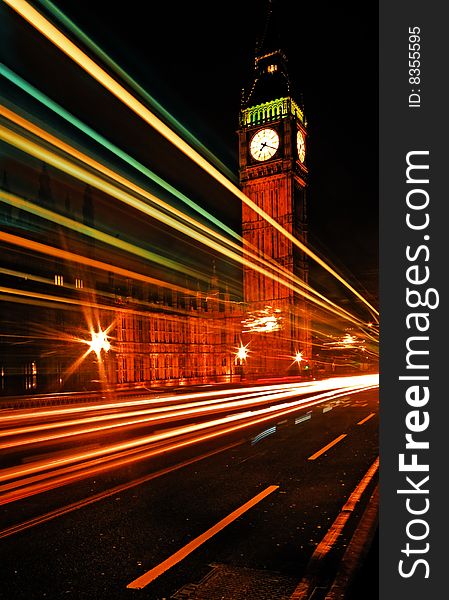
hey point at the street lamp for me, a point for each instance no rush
(240, 357)
(298, 357)
(98, 342)
(242, 353)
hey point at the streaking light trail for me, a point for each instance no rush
(85, 62)
(135, 202)
(106, 238)
(154, 213)
(84, 260)
(323, 384)
(59, 110)
(88, 42)
(242, 412)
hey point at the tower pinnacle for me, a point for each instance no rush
(271, 79)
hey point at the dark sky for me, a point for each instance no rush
(194, 57)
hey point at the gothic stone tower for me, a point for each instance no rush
(273, 173)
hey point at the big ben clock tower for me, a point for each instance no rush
(273, 174)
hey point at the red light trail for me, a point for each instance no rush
(242, 408)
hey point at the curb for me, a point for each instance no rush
(357, 550)
(306, 587)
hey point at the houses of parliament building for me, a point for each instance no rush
(156, 335)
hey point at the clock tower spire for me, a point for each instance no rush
(271, 78)
(273, 173)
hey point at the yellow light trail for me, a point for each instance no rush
(34, 129)
(100, 236)
(11, 198)
(50, 300)
(102, 141)
(88, 42)
(69, 256)
(93, 292)
(87, 160)
(40, 211)
(15, 240)
(35, 18)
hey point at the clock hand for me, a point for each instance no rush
(268, 146)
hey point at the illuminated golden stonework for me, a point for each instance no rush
(274, 110)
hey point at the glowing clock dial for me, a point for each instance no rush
(301, 146)
(264, 144)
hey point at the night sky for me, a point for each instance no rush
(195, 57)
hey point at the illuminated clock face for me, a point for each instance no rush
(264, 144)
(301, 146)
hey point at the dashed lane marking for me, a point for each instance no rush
(323, 450)
(107, 493)
(175, 558)
(370, 416)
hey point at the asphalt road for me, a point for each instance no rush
(96, 551)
